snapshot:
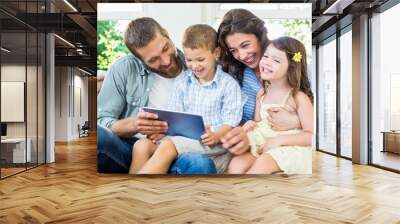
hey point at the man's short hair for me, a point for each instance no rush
(141, 31)
(200, 36)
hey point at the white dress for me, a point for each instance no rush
(291, 159)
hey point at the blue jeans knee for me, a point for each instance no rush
(193, 163)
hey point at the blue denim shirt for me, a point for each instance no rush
(125, 89)
(250, 88)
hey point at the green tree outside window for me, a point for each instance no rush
(110, 44)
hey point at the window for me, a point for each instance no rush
(327, 96)
(394, 101)
(22, 65)
(385, 86)
(346, 94)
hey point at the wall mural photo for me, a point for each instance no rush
(225, 90)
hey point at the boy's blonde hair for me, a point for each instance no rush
(200, 36)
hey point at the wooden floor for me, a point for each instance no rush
(5, 172)
(387, 159)
(70, 191)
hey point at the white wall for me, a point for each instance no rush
(176, 21)
(176, 17)
(82, 82)
(68, 83)
(12, 73)
(61, 103)
(80, 102)
(33, 127)
(12, 100)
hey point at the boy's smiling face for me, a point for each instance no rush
(202, 62)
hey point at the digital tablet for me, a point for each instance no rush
(180, 123)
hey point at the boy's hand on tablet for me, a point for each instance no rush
(209, 138)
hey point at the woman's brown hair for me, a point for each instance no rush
(239, 21)
(297, 70)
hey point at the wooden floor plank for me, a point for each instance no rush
(71, 191)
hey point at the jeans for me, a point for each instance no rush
(114, 155)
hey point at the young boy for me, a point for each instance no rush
(203, 89)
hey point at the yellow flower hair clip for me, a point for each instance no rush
(297, 57)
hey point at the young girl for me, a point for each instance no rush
(283, 70)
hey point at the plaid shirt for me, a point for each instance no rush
(219, 101)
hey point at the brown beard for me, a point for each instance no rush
(172, 72)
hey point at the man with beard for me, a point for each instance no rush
(143, 78)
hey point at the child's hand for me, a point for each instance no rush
(155, 137)
(250, 125)
(270, 144)
(209, 138)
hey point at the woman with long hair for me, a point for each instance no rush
(242, 37)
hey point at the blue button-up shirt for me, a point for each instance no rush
(219, 101)
(250, 88)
